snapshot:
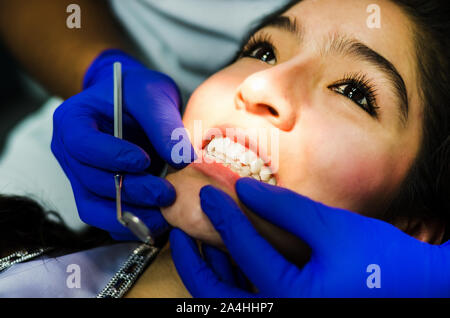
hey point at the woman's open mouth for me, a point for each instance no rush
(239, 159)
(227, 153)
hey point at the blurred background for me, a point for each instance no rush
(19, 95)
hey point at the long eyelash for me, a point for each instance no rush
(361, 81)
(358, 79)
(255, 41)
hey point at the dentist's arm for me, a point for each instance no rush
(352, 255)
(70, 61)
(35, 32)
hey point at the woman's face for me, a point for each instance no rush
(342, 96)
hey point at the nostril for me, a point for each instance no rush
(273, 111)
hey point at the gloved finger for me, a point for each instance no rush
(123, 236)
(138, 189)
(152, 218)
(250, 251)
(197, 276)
(81, 138)
(220, 263)
(101, 213)
(160, 118)
(307, 219)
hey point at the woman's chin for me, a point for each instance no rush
(186, 212)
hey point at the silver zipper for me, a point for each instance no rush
(128, 273)
(20, 256)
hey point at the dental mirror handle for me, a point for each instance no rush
(127, 219)
(118, 100)
(118, 179)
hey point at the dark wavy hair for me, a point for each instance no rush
(425, 191)
(24, 223)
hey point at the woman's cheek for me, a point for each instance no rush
(205, 106)
(215, 95)
(343, 170)
(362, 179)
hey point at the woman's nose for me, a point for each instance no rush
(263, 95)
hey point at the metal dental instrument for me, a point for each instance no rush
(127, 219)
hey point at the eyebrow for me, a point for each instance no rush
(340, 44)
(284, 23)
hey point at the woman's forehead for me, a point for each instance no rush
(391, 37)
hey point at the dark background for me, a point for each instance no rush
(19, 95)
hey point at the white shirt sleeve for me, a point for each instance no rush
(28, 167)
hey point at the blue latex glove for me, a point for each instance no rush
(344, 245)
(84, 145)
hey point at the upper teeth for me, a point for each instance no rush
(239, 159)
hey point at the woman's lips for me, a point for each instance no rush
(228, 153)
(217, 171)
(248, 139)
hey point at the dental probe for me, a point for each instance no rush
(127, 219)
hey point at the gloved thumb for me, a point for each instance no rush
(311, 221)
(158, 113)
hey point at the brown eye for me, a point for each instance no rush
(262, 51)
(353, 93)
(359, 92)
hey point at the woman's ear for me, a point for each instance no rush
(429, 230)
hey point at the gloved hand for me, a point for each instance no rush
(84, 145)
(352, 255)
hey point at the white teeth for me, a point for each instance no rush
(265, 173)
(211, 146)
(243, 158)
(219, 146)
(255, 166)
(239, 159)
(226, 142)
(272, 181)
(236, 165)
(244, 171)
(234, 151)
(247, 157)
(221, 157)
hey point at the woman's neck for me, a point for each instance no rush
(160, 279)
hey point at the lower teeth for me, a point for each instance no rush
(261, 174)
